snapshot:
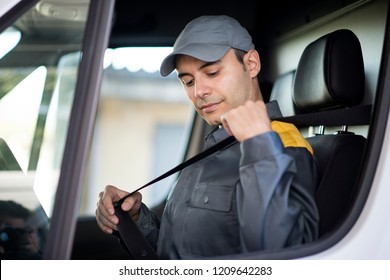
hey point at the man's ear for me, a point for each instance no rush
(253, 62)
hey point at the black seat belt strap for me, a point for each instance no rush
(128, 232)
(219, 146)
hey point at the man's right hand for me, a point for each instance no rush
(105, 213)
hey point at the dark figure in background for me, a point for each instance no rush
(19, 237)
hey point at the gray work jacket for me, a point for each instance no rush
(250, 196)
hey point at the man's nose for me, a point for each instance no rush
(201, 89)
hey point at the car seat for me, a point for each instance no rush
(327, 90)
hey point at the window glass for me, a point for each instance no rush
(39, 59)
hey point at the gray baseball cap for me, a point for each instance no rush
(208, 38)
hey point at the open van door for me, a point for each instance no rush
(51, 68)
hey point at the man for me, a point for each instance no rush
(19, 239)
(256, 194)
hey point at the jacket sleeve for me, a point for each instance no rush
(149, 225)
(275, 195)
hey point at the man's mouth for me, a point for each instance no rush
(209, 107)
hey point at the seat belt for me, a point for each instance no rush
(129, 235)
(135, 242)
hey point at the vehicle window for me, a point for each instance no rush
(142, 125)
(38, 71)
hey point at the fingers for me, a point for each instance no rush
(247, 120)
(133, 205)
(225, 124)
(105, 221)
(105, 212)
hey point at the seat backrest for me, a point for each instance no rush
(330, 75)
(282, 90)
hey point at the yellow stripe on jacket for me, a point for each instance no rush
(290, 135)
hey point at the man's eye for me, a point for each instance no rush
(188, 83)
(211, 74)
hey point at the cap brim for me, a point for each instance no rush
(205, 52)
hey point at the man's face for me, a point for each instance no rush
(217, 87)
(6, 221)
(32, 245)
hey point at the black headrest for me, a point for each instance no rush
(330, 73)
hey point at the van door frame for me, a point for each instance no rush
(80, 131)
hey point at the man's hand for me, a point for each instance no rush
(105, 213)
(247, 120)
